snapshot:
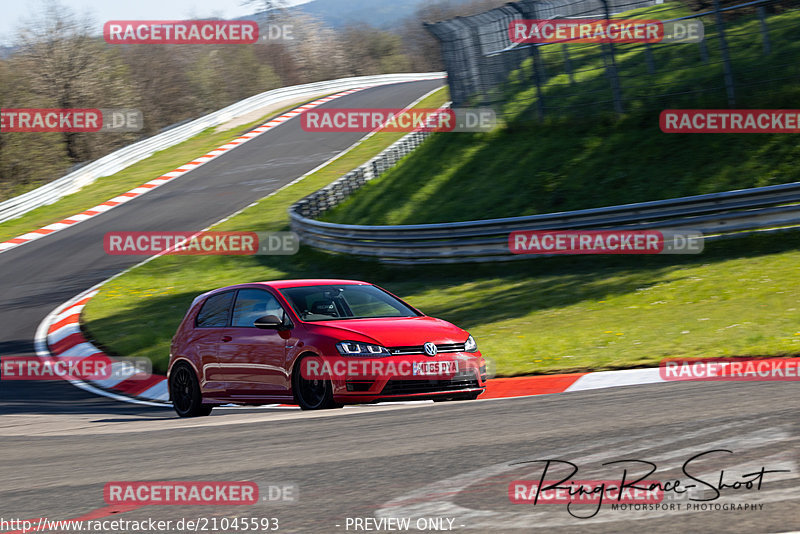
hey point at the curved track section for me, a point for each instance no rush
(47, 272)
(449, 462)
(165, 178)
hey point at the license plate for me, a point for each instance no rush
(435, 368)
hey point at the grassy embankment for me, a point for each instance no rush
(739, 297)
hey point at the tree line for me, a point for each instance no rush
(60, 60)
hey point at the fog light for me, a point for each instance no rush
(359, 386)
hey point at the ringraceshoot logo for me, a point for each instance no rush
(730, 121)
(636, 486)
(605, 242)
(584, 492)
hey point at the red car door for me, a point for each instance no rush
(252, 361)
(204, 340)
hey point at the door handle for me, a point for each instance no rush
(226, 338)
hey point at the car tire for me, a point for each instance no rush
(312, 394)
(184, 390)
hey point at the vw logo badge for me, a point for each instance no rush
(430, 349)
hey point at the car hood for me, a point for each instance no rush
(399, 331)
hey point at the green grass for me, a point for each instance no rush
(546, 315)
(110, 186)
(533, 316)
(107, 319)
(585, 157)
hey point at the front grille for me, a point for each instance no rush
(406, 387)
(418, 349)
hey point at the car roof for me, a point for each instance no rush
(280, 284)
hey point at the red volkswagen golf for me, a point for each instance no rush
(319, 344)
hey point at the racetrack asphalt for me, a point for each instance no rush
(42, 274)
(450, 460)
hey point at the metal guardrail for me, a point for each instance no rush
(126, 156)
(716, 215)
(316, 203)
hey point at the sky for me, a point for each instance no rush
(14, 12)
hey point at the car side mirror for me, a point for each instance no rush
(269, 322)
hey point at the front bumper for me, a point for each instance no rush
(470, 379)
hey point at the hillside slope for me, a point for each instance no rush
(584, 157)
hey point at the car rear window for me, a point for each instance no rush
(215, 311)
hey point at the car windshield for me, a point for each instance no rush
(336, 302)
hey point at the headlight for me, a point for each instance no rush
(356, 348)
(470, 345)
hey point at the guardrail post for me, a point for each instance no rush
(726, 60)
(477, 55)
(703, 51)
(568, 64)
(542, 65)
(537, 71)
(611, 67)
(764, 32)
(648, 55)
(537, 79)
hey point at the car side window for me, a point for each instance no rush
(252, 304)
(215, 310)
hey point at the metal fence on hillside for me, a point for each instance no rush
(484, 66)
